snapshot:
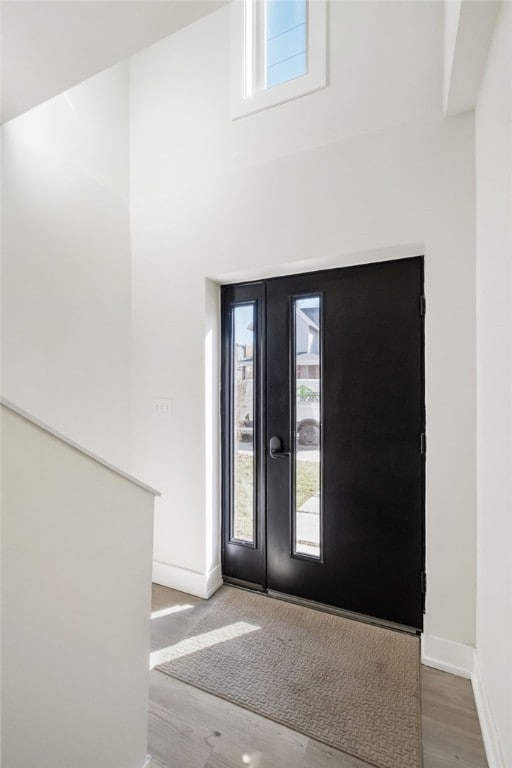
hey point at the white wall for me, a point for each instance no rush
(76, 591)
(51, 46)
(468, 32)
(494, 436)
(363, 170)
(66, 270)
(452, 10)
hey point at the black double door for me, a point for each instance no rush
(323, 438)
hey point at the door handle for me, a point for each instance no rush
(275, 448)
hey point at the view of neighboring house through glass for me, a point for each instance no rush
(306, 425)
(242, 419)
(307, 373)
(286, 40)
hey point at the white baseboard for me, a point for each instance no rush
(489, 733)
(446, 655)
(193, 582)
(213, 580)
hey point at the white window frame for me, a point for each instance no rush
(248, 91)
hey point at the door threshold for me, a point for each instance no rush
(383, 623)
(241, 584)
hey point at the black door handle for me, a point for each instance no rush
(275, 448)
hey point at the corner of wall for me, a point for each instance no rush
(192, 582)
(447, 655)
(489, 733)
(212, 429)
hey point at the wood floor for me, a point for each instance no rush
(192, 729)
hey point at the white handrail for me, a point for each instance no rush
(54, 433)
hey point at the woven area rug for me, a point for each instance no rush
(347, 684)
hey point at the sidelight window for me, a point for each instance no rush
(242, 423)
(307, 386)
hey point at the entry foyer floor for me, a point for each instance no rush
(192, 729)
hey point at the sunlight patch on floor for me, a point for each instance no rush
(169, 611)
(251, 760)
(200, 642)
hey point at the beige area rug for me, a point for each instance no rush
(347, 684)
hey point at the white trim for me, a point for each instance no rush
(247, 98)
(63, 439)
(147, 762)
(446, 655)
(213, 580)
(489, 733)
(184, 580)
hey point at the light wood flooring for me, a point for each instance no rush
(189, 728)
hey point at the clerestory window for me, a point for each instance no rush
(285, 41)
(278, 52)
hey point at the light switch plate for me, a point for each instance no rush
(162, 406)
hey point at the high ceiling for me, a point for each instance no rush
(48, 47)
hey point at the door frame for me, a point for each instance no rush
(225, 468)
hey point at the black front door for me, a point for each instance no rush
(323, 438)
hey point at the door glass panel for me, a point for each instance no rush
(308, 377)
(242, 419)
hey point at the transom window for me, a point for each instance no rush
(278, 52)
